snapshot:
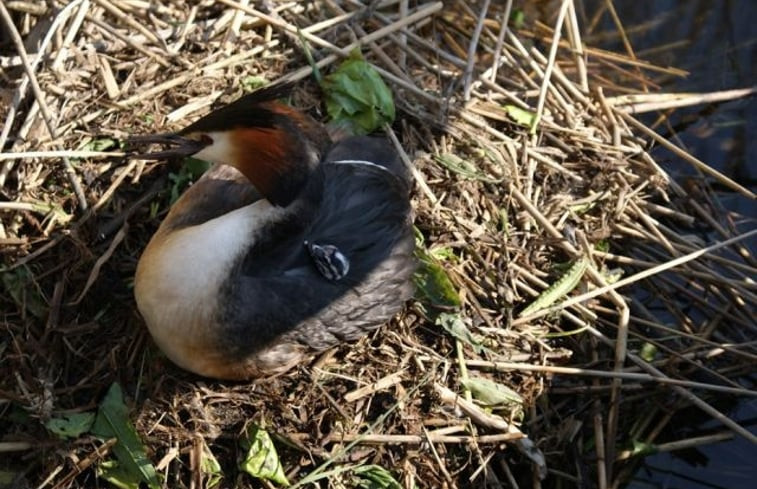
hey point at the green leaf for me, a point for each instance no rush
(462, 167)
(71, 425)
(491, 393)
(522, 117)
(317, 76)
(261, 460)
(7, 478)
(643, 449)
(19, 283)
(195, 168)
(559, 289)
(190, 170)
(209, 465)
(375, 477)
(454, 325)
(602, 245)
(113, 421)
(432, 283)
(442, 253)
(252, 83)
(114, 473)
(100, 144)
(517, 18)
(648, 351)
(355, 94)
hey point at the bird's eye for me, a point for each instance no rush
(206, 140)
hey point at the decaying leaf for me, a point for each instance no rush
(261, 460)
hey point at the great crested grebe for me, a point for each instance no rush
(289, 244)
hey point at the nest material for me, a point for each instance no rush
(503, 209)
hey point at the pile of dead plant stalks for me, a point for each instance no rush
(532, 172)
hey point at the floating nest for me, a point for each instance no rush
(534, 179)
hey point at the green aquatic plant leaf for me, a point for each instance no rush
(356, 95)
(112, 421)
(261, 460)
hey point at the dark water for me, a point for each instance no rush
(726, 465)
(716, 41)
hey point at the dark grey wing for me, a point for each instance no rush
(365, 213)
(372, 149)
(219, 191)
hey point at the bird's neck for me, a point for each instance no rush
(281, 160)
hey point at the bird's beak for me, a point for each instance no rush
(179, 146)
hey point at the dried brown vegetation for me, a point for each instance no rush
(504, 210)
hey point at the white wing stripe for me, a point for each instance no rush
(359, 162)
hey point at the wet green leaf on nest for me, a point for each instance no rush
(559, 289)
(261, 460)
(71, 425)
(113, 422)
(491, 393)
(355, 94)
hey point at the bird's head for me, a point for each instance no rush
(275, 146)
